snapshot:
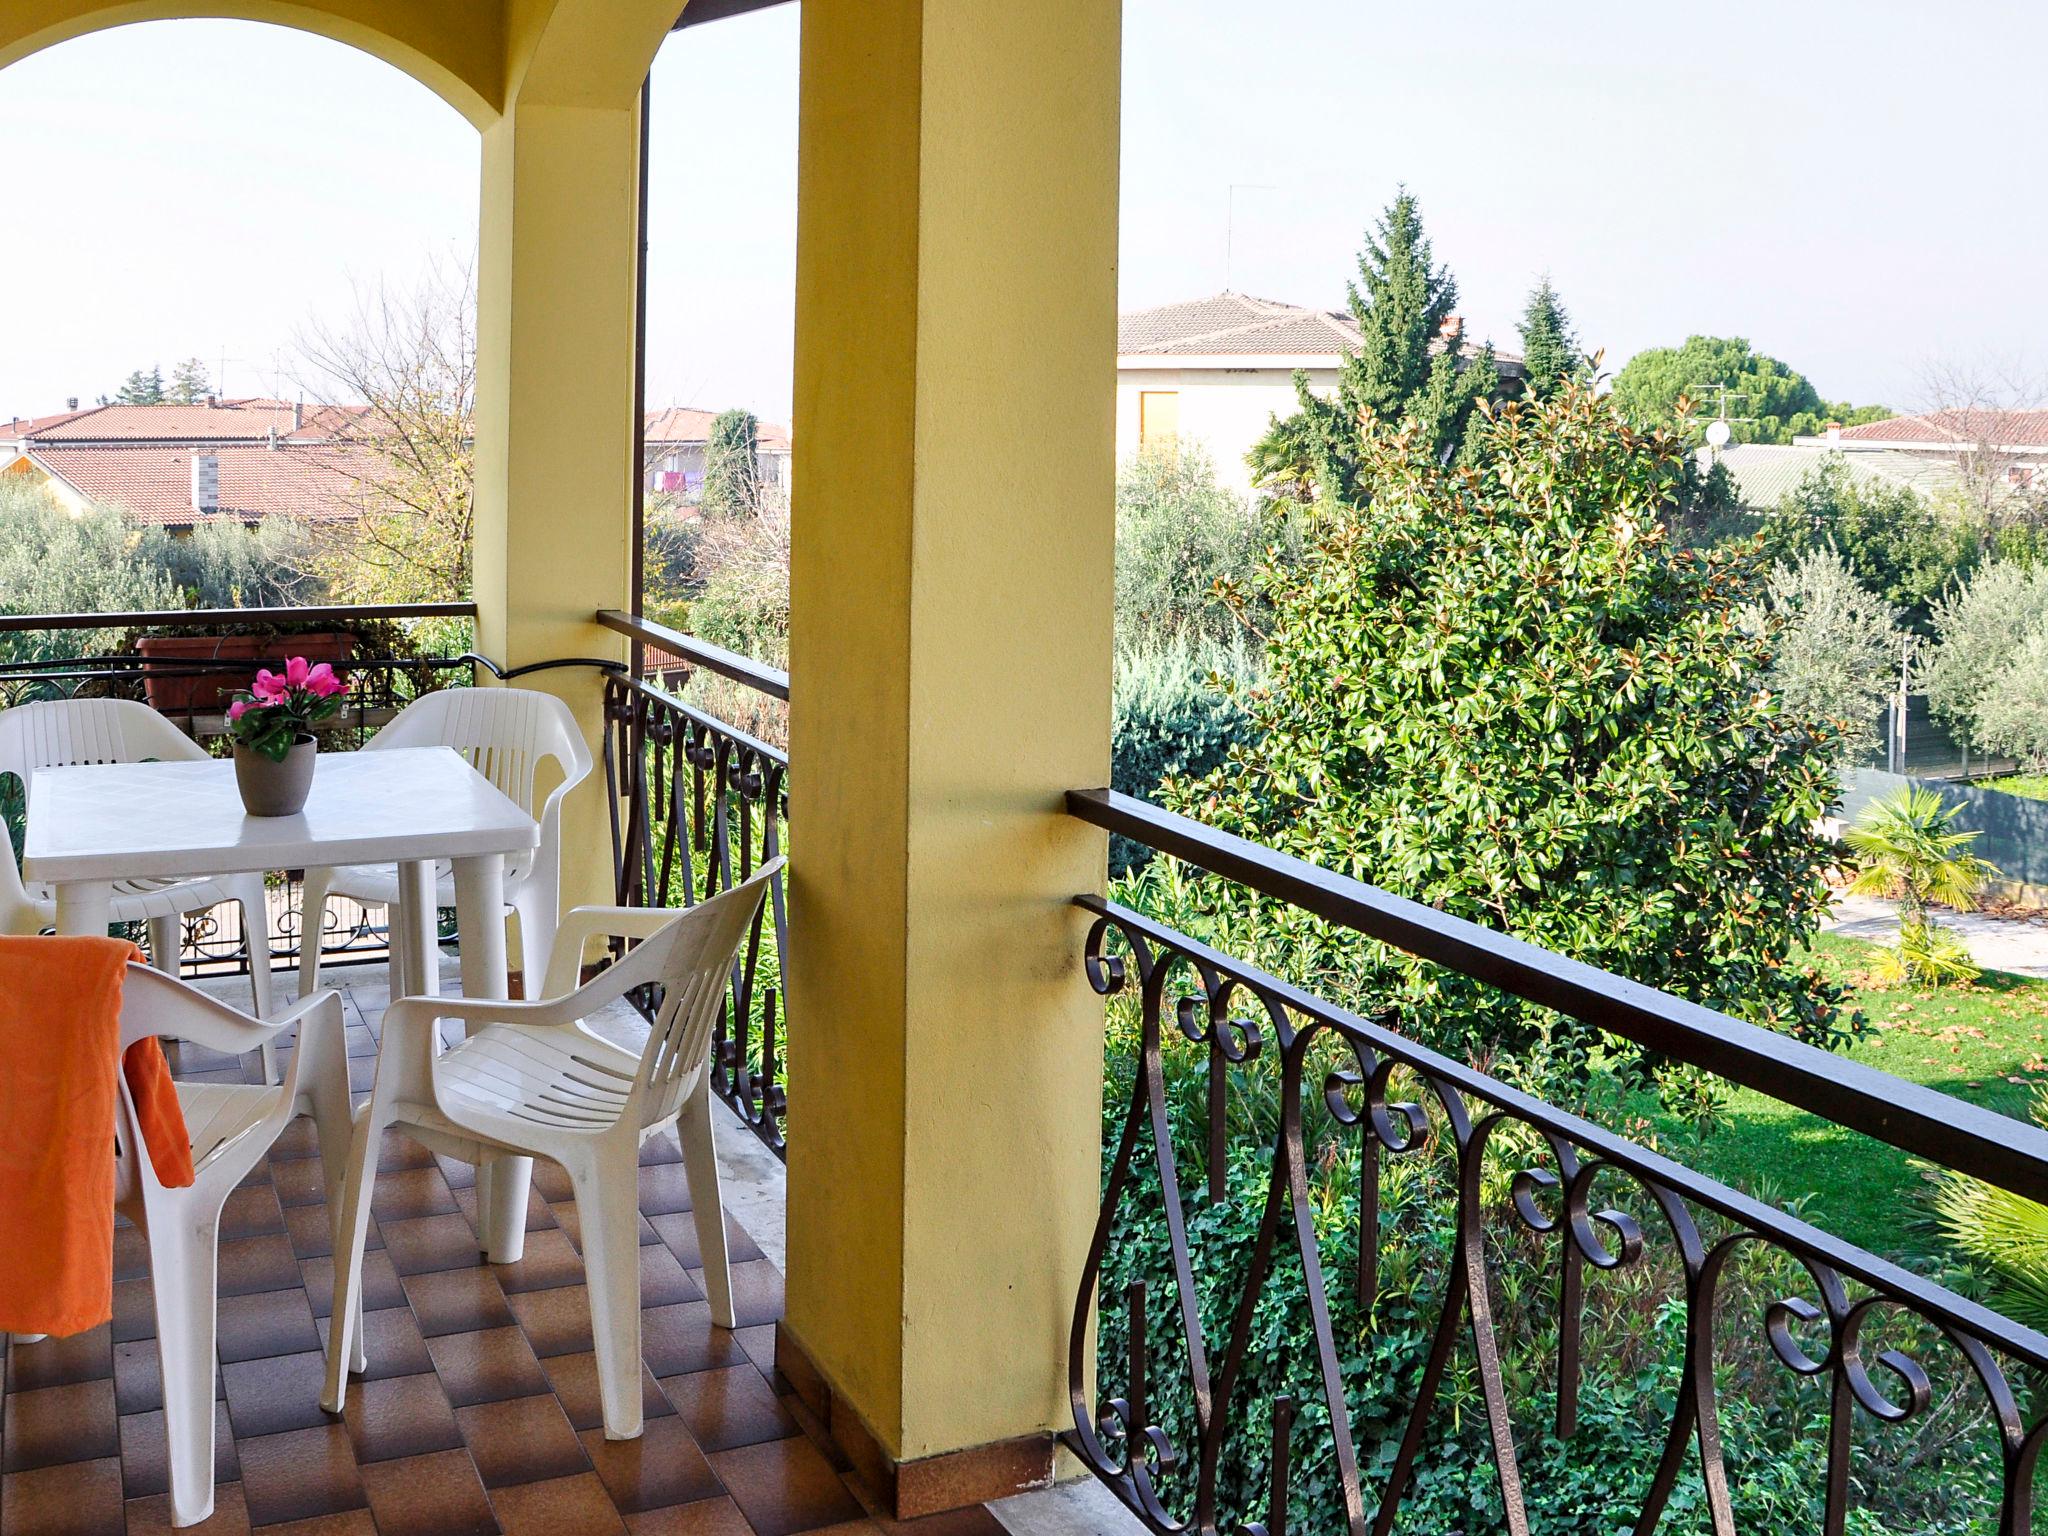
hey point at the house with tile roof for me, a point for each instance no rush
(1992, 448)
(676, 439)
(1215, 371)
(176, 466)
(1765, 473)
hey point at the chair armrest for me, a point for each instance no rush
(169, 1008)
(582, 924)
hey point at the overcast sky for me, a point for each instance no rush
(1845, 183)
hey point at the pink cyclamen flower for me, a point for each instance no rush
(295, 670)
(321, 681)
(268, 686)
(238, 709)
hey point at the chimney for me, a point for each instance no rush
(205, 482)
(71, 403)
(212, 402)
(298, 414)
(273, 437)
(1834, 431)
(1453, 328)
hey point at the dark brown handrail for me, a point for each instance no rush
(1916, 1119)
(187, 618)
(700, 653)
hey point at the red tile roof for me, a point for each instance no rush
(153, 483)
(246, 421)
(1957, 429)
(689, 424)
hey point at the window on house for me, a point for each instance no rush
(1158, 417)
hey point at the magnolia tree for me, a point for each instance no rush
(1498, 689)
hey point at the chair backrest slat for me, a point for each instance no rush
(504, 733)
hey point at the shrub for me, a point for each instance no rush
(1183, 543)
(1498, 690)
(1838, 646)
(1177, 709)
(233, 565)
(53, 560)
(742, 602)
(1979, 626)
(1903, 547)
(2012, 717)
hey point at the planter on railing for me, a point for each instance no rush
(177, 680)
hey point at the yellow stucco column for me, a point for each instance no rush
(950, 664)
(555, 445)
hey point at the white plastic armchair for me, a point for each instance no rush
(533, 1080)
(232, 1128)
(506, 734)
(62, 732)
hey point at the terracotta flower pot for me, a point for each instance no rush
(272, 788)
(180, 682)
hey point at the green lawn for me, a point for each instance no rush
(1987, 1042)
(2034, 786)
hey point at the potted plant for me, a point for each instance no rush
(179, 676)
(271, 724)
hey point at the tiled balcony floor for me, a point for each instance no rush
(480, 1409)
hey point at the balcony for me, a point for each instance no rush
(1237, 1092)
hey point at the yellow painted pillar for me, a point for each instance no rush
(554, 420)
(950, 663)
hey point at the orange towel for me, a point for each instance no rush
(60, 1023)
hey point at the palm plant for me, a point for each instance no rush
(2005, 1232)
(1906, 848)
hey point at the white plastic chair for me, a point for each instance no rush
(533, 1080)
(63, 732)
(232, 1129)
(506, 733)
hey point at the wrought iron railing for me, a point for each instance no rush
(387, 668)
(1537, 1229)
(697, 803)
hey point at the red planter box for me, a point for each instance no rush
(182, 689)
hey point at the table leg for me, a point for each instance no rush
(501, 1188)
(413, 920)
(84, 907)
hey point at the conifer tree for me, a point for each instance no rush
(142, 388)
(1401, 371)
(732, 482)
(1550, 352)
(189, 384)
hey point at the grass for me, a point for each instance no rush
(1986, 1042)
(2033, 786)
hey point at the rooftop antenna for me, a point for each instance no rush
(1230, 228)
(1721, 429)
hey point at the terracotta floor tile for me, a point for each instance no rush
(975, 1520)
(680, 1339)
(706, 1517)
(662, 1467)
(555, 1322)
(398, 1152)
(392, 1343)
(486, 1366)
(251, 1211)
(567, 1218)
(381, 1289)
(401, 1416)
(272, 1395)
(300, 1139)
(457, 1173)
(561, 1506)
(521, 1440)
(759, 1343)
(729, 1408)
(411, 1193)
(550, 1260)
(679, 1231)
(131, 1251)
(664, 1189)
(551, 1180)
(663, 1280)
(252, 1264)
(574, 1379)
(312, 1235)
(354, 1522)
(80, 1498)
(87, 1356)
(299, 1475)
(134, 1310)
(145, 1454)
(53, 1425)
(436, 1495)
(457, 1301)
(230, 1517)
(756, 1292)
(430, 1242)
(298, 1181)
(137, 1385)
(785, 1486)
(266, 1324)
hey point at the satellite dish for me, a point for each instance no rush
(1718, 433)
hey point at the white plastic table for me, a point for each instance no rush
(89, 826)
